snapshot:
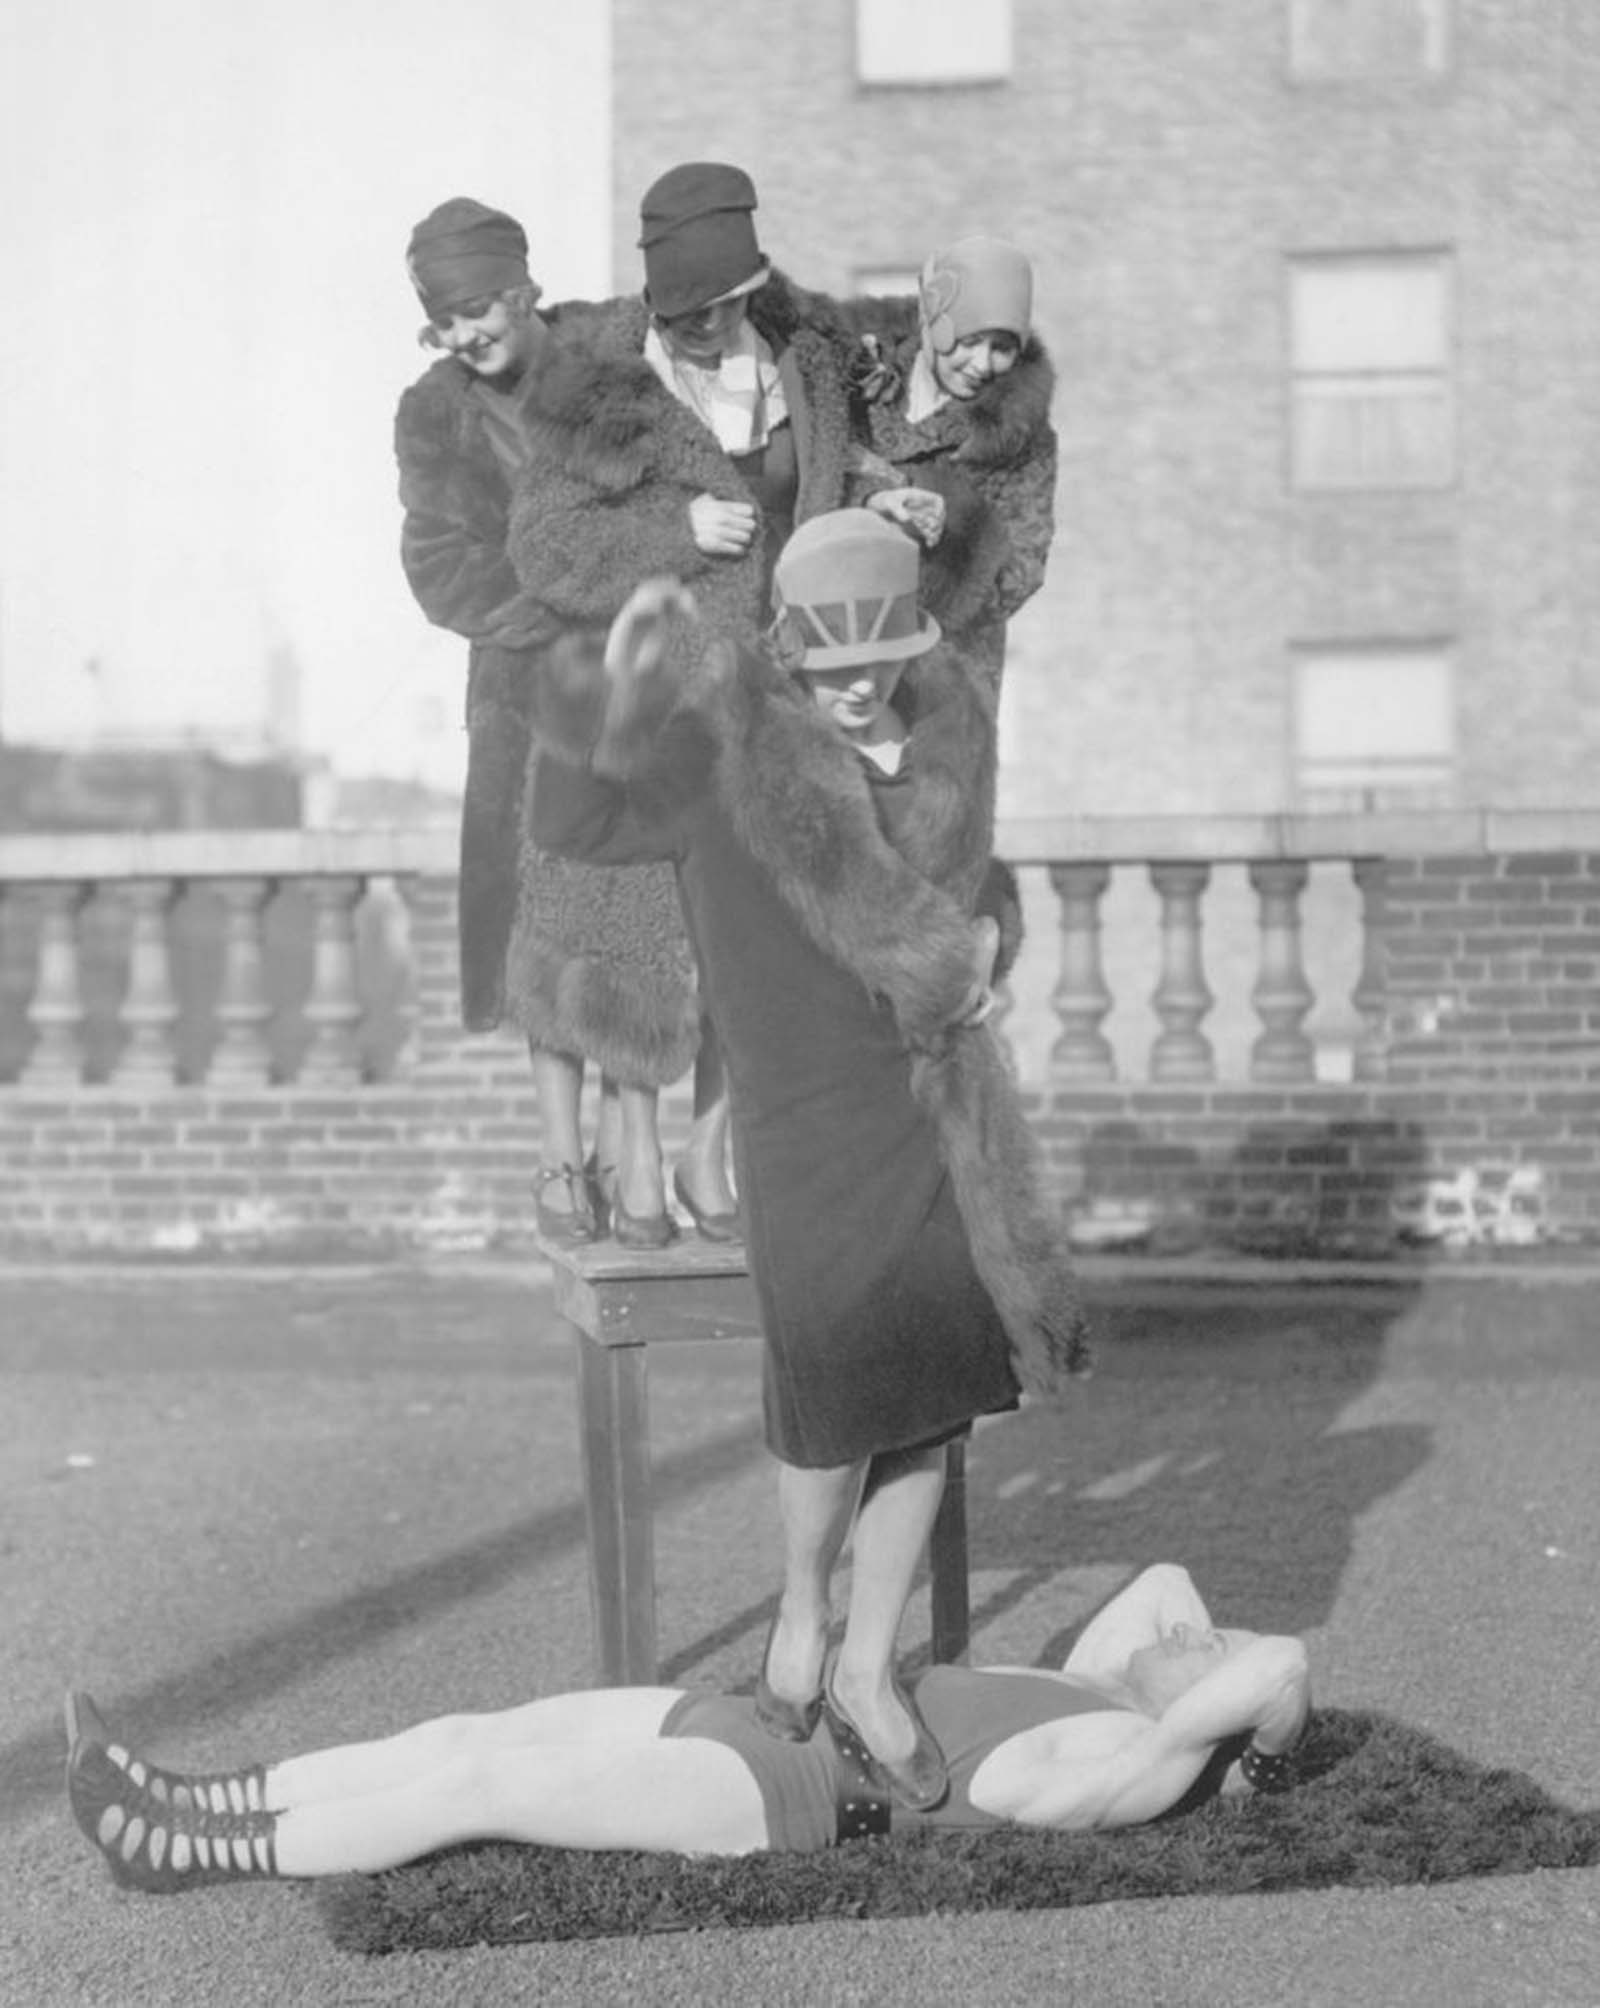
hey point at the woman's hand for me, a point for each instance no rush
(640, 635)
(986, 947)
(918, 511)
(721, 529)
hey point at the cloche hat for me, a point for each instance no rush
(845, 592)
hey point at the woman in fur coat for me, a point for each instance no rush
(684, 432)
(953, 396)
(602, 971)
(832, 831)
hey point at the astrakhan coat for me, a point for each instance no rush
(614, 978)
(909, 1275)
(992, 458)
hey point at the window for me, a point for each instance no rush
(1370, 348)
(1374, 727)
(933, 41)
(1333, 39)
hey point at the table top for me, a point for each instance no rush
(691, 1289)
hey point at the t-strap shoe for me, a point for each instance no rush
(576, 1225)
(919, 1781)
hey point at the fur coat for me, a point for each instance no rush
(993, 459)
(614, 460)
(603, 967)
(897, 916)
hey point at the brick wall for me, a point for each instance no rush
(1162, 167)
(1485, 1056)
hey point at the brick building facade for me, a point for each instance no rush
(1320, 278)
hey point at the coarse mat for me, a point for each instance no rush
(1378, 1803)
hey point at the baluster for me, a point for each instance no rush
(1080, 998)
(1182, 997)
(1282, 996)
(1370, 1060)
(150, 1006)
(242, 1057)
(55, 1010)
(333, 1009)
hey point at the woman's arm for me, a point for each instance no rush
(453, 532)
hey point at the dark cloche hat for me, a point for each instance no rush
(698, 237)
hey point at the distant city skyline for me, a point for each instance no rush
(204, 239)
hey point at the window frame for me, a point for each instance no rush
(1309, 391)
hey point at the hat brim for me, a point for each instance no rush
(758, 278)
(852, 654)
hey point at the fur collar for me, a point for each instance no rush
(896, 915)
(595, 407)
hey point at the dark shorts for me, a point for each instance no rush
(795, 1779)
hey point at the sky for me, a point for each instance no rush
(203, 218)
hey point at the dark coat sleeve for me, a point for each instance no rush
(453, 535)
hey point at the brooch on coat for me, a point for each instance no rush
(873, 374)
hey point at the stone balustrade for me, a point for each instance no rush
(229, 1036)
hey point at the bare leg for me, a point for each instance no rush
(351, 1770)
(581, 1771)
(895, 1518)
(686, 1794)
(703, 1167)
(815, 1507)
(558, 1082)
(608, 1127)
(1157, 1599)
(639, 1181)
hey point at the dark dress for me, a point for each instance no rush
(879, 1334)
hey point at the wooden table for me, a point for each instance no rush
(617, 1302)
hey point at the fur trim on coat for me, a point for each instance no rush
(899, 917)
(992, 459)
(529, 949)
(615, 460)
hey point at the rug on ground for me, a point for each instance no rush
(1379, 1803)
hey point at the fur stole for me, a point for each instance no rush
(899, 916)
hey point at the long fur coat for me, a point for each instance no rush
(898, 916)
(604, 969)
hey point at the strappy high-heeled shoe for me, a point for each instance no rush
(571, 1228)
(159, 1830)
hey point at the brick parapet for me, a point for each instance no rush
(1484, 1070)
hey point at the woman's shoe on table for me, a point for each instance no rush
(601, 1180)
(720, 1227)
(640, 1230)
(919, 1781)
(159, 1830)
(573, 1225)
(789, 1721)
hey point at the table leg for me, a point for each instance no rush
(615, 1439)
(947, 1547)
